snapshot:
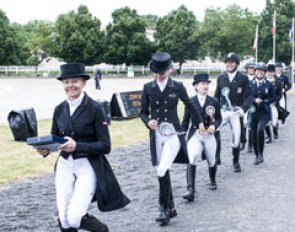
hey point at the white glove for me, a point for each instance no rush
(240, 112)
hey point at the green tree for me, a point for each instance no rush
(39, 34)
(207, 34)
(150, 20)
(12, 46)
(285, 11)
(126, 39)
(224, 31)
(78, 37)
(174, 34)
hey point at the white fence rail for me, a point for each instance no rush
(106, 69)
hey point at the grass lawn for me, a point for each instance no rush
(19, 160)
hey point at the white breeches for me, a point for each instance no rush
(199, 143)
(233, 118)
(167, 148)
(245, 120)
(75, 183)
(282, 101)
(274, 114)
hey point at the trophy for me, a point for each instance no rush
(225, 92)
(210, 111)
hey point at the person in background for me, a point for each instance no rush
(97, 78)
(263, 96)
(158, 112)
(234, 94)
(274, 124)
(81, 168)
(250, 68)
(285, 84)
(198, 144)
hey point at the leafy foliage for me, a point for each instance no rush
(224, 31)
(12, 46)
(285, 11)
(174, 34)
(78, 37)
(150, 20)
(126, 40)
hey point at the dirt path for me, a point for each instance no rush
(260, 198)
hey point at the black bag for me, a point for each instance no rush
(23, 124)
(283, 113)
(107, 109)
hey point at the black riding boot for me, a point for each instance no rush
(164, 199)
(268, 133)
(218, 148)
(236, 157)
(260, 147)
(249, 147)
(66, 230)
(91, 223)
(190, 177)
(275, 132)
(173, 212)
(243, 135)
(212, 175)
(255, 147)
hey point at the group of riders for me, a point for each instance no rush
(251, 104)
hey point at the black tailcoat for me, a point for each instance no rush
(88, 127)
(209, 101)
(285, 85)
(162, 106)
(277, 90)
(240, 92)
(266, 93)
(285, 82)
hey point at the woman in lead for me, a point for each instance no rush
(82, 172)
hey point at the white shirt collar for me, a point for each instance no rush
(250, 77)
(259, 82)
(75, 103)
(201, 99)
(162, 84)
(271, 80)
(231, 76)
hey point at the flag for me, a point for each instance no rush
(291, 33)
(255, 42)
(273, 29)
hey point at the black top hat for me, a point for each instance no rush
(72, 70)
(271, 68)
(201, 77)
(161, 62)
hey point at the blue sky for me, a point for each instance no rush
(26, 10)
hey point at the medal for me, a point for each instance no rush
(166, 128)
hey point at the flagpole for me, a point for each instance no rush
(274, 37)
(292, 64)
(256, 52)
